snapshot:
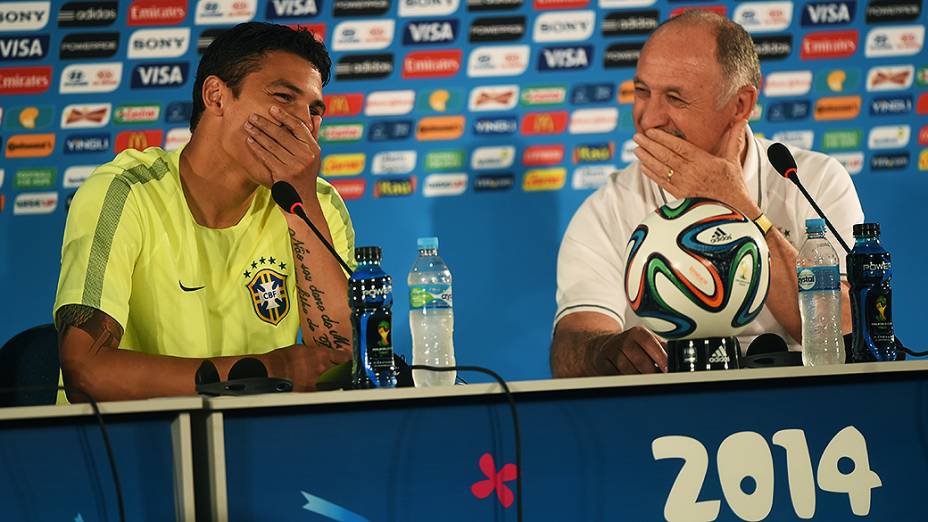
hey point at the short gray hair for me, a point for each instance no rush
(734, 49)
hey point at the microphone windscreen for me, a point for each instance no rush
(767, 343)
(782, 160)
(285, 195)
(246, 368)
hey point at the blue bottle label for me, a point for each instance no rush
(379, 337)
(818, 278)
(434, 296)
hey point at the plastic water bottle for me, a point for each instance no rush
(819, 298)
(431, 315)
(870, 271)
(370, 295)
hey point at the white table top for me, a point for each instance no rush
(106, 408)
(548, 385)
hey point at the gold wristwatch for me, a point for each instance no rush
(764, 223)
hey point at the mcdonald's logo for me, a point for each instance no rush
(30, 145)
(536, 123)
(337, 105)
(138, 140)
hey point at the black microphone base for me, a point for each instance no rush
(696, 355)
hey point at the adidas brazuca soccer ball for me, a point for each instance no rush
(697, 268)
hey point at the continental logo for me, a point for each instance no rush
(627, 92)
(339, 105)
(440, 128)
(138, 140)
(837, 108)
(538, 180)
(594, 152)
(539, 123)
(335, 165)
(349, 189)
(341, 132)
(30, 145)
(395, 187)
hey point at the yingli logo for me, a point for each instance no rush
(832, 44)
(343, 104)
(432, 64)
(25, 80)
(157, 12)
(538, 123)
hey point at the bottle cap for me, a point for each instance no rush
(815, 225)
(866, 229)
(427, 243)
(367, 254)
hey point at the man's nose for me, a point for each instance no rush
(652, 113)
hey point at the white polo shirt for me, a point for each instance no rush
(591, 261)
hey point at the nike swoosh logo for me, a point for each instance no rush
(189, 289)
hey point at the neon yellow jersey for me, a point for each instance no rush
(133, 250)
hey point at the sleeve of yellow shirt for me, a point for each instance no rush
(338, 219)
(102, 240)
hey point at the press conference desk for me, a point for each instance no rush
(53, 463)
(609, 448)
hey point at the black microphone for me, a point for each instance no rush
(770, 350)
(782, 160)
(288, 199)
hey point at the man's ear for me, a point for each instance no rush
(745, 100)
(214, 93)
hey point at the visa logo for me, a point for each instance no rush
(495, 126)
(828, 13)
(24, 48)
(291, 8)
(159, 75)
(565, 58)
(430, 32)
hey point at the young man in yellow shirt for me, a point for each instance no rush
(170, 258)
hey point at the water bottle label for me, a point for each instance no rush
(879, 315)
(818, 278)
(430, 296)
(379, 340)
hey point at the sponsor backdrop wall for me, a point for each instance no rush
(485, 122)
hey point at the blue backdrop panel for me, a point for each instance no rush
(587, 455)
(58, 470)
(844, 77)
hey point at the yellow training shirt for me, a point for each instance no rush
(133, 250)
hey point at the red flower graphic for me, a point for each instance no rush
(495, 481)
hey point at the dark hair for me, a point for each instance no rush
(734, 49)
(237, 52)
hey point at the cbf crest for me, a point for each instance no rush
(268, 291)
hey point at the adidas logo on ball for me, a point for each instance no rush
(719, 236)
(719, 356)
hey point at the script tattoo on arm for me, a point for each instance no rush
(312, 302)
(103, 329)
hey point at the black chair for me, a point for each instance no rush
(28, 361)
